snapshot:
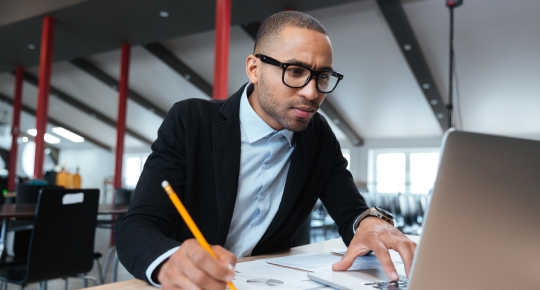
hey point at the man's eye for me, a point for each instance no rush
(296, 71)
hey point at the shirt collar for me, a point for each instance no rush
(255, 127)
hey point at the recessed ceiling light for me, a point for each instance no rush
(68, 134)
(163, 13)
(31, 46)
(48, 137)
(51, 139)
(25, 139)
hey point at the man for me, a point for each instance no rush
(250, 169)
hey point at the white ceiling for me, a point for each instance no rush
(497, 46)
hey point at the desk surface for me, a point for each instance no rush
(322, 248)
(10, 194)
(29, 210)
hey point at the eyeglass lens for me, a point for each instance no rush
(296, 76)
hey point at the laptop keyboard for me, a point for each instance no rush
(389, 285)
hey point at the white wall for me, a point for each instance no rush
(94, 165)
(359, 154)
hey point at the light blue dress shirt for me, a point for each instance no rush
(264, 164)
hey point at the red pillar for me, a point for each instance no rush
(12, 167)
(47, 38)
(221, 61)
(122, 103)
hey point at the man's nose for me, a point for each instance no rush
(309, 91)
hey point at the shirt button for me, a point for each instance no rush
(254, 227)
(267, 166)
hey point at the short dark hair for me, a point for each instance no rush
(274, 25)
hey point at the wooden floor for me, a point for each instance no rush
(101, 245)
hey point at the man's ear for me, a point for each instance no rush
(253, 69)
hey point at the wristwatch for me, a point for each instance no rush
(376, 211)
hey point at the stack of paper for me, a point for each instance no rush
(322, 262)
(261, 275)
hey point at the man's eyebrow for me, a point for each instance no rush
(299, 62)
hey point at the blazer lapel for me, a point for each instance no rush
(300, 165)
(226, 149)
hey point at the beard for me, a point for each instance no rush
(280, 111)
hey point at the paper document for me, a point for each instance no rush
(339, 251)
(396, 258)
(261, 275)
(323, 262)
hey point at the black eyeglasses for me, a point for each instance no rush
(297, 76)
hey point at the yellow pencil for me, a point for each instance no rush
(189, 221)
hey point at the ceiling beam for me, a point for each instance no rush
(340, 122)
(251, 28)
(330, 110)
(180, 67)
(396, 18)
(108, 80)
(57, 123)
(85, 108)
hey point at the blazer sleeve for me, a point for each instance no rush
(341, 196)
(147, 229)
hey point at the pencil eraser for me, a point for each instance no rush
(165, 183)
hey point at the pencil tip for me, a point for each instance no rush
(165, 183)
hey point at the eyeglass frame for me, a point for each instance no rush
(272, 61)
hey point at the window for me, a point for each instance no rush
(133, 165)
(390, 172)
(347, 154)
(410, 170)
(423, 169)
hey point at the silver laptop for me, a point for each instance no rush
(482, 228)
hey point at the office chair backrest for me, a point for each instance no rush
(62, 242)
(30, 193)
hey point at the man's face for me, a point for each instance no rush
(287, 107)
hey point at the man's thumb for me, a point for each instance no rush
(345, 263)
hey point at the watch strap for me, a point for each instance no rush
(372, 212)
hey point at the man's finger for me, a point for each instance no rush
(224, 256)
(204, 260)
(404, 250)
(348, 259)
(384, 257)
(171, 278)
(199, 277)
(345, 263)
(413, 247)
(179, 281)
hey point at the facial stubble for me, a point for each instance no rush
(280, 111)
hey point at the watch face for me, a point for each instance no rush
(384, 212)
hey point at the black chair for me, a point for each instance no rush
(62, 241)
(30, 193)
(121, 196)
(26, 194)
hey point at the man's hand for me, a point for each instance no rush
(377, 235)
(193, 267)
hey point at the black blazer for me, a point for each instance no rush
(198, 152)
